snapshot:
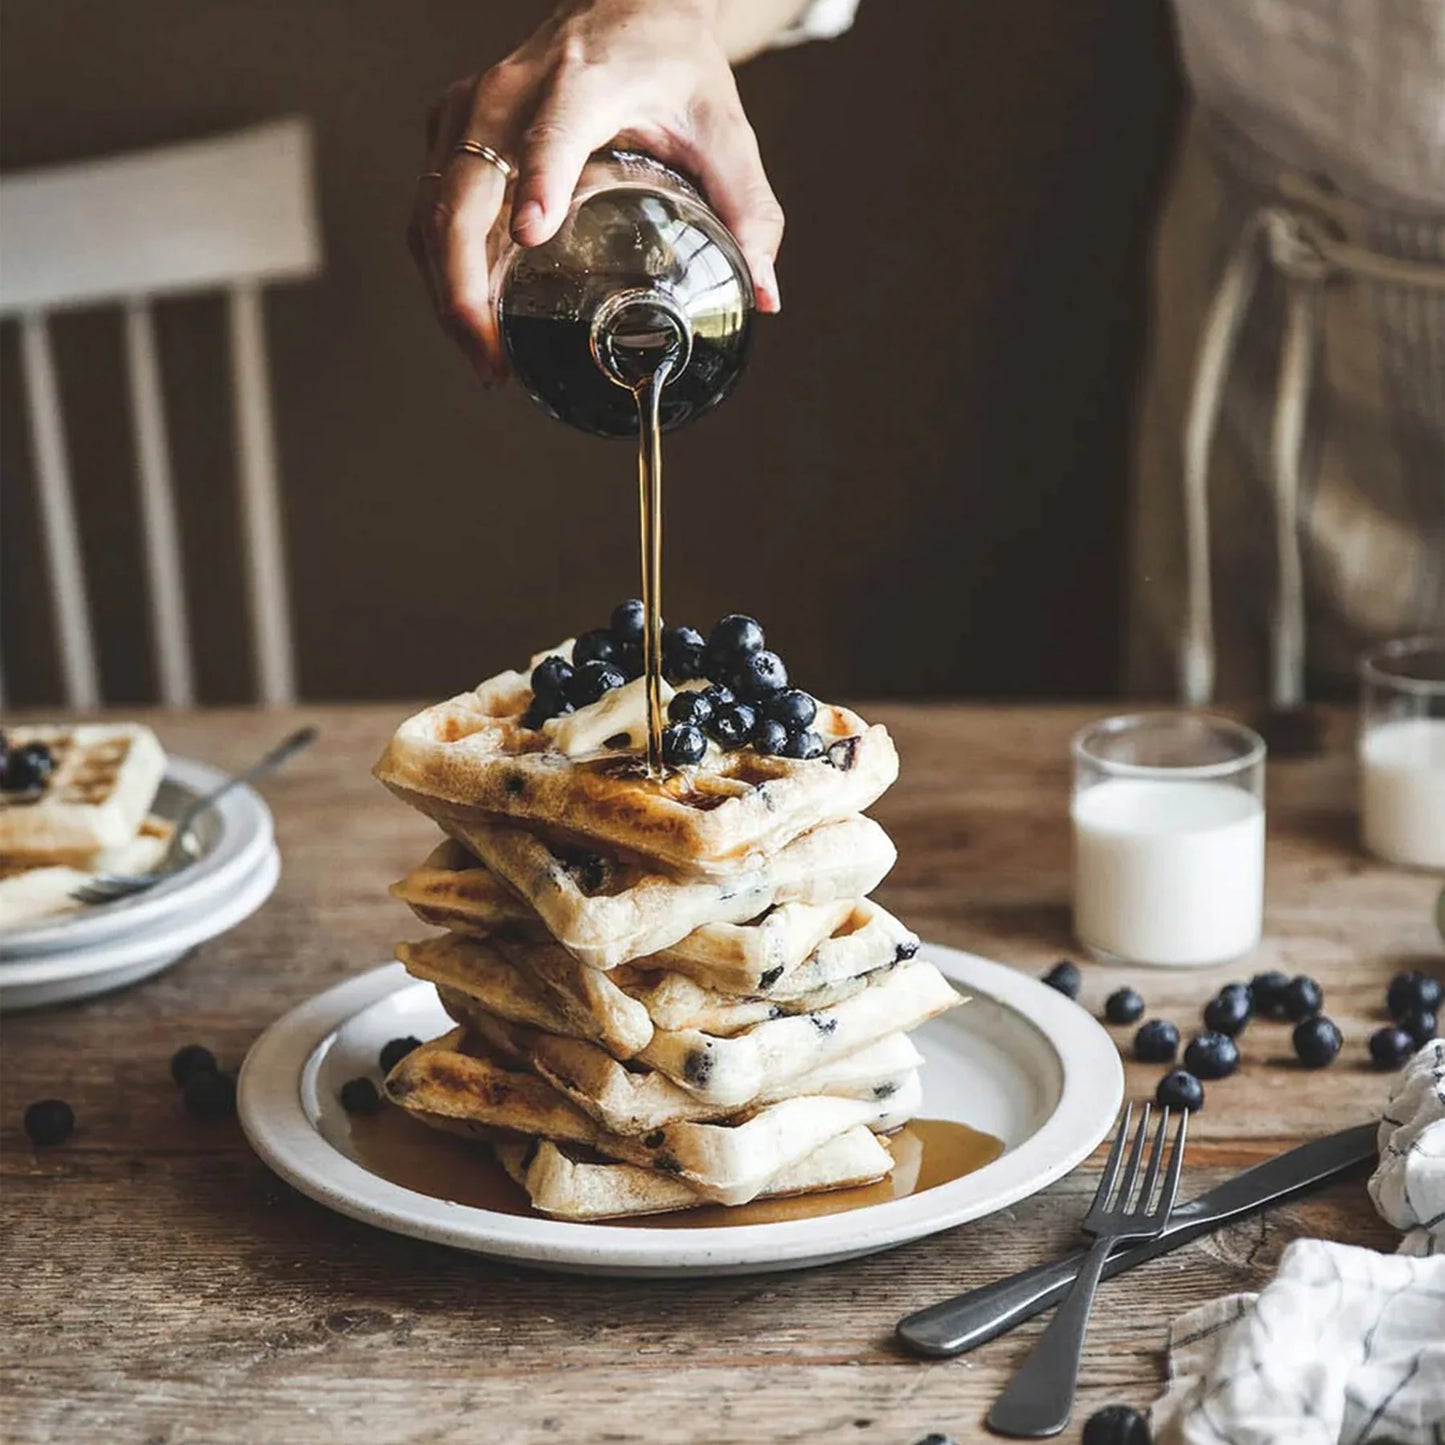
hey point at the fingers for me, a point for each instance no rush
(573, 120)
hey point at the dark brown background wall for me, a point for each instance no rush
(919, 486)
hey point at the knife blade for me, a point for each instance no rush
(957, 1325)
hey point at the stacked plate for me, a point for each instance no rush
(107, 946)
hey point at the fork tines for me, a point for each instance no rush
(1132, 1199)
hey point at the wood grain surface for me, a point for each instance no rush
(160, 1285)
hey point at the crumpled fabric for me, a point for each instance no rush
(1345, 1345)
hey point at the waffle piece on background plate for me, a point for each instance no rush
(30, 893)
(100, 789)
(606, 911)
(727, 1162)
(472, 759)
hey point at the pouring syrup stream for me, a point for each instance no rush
(649, 499)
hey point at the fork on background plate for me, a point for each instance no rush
(1041, 1395)
(107, 887)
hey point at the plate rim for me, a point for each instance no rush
(274, 1120)
(247, 830)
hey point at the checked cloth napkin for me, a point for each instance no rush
(1344, 1345)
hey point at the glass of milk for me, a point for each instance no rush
(1402, 752)
(1168, 812)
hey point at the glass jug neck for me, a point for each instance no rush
(634, 331)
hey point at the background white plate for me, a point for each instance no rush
(54, 978)
(1021, 1061)
(234, 836)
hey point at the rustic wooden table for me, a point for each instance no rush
(160, 1285)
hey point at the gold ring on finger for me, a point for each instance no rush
(486, 153)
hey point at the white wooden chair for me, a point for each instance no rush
(229, 213)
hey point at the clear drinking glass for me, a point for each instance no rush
(1168, 814)
(1402, 751)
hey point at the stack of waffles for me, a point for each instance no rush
(666, 993)
(91, 815)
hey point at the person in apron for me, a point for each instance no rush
(1289, 478)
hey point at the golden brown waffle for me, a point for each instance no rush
(104, 781)
(471, 760)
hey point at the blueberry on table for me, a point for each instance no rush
(732, 638)
(1116, 1425)
(1421, 1024)
(49, 1122)
(1156, 1042)
(210, 1094)
(760, 674)
(1411, 991)
(682, 654)
(359, 1096)
(629, 620)
(683, 745)
(1303, 998)
(1179, 1089)
(1211, 1056)
(1229, 1010)
(1123, 1006)
(27, 768)
(732, 725)
(1390, 1047)
(599, 645)
(770, 737)
(592, 680)
(395, 1050)
(805, 745)
(191, 1059)
(1064, 978)
(550, 678)
(1267, 990)
(690, 707)
(1316, 1041)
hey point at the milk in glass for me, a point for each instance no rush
(1402, 791)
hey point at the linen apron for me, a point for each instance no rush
(1289, 483)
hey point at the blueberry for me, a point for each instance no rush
(210, 1094)
(395, 1050)
(630, 659)
(550, 678)
(592, 680)
(1303, 998)
(1179, 1089)
(540, 709)
(4, 754)
(732, 725)
(720, 695)
(759, 674)
(1390, 1047)
(792, 707)
(1064, 977)
(1229, 1010)
(1156, 1042)
(191, 1059)
(1316, 1041)
(1413, 990)
(683, 745)
(690, 707)
(598, 645)
(1267, 991)
(1211, 1056)
(27, 768)
(682, 653)
(770, 737)
(359, 1096)
(48, 1122)
(629, 620)
(806, 745)
(1116, 1425)
(734, 636)
(1123, 1006)
(1421, 1024)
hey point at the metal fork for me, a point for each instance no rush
(107, 887)
(1041, 1395)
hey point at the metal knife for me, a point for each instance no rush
(957, 1325)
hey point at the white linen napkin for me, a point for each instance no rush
(1344, 1346)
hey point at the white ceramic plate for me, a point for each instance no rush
(54, 978)
(1020, 1061)
(234, 837)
